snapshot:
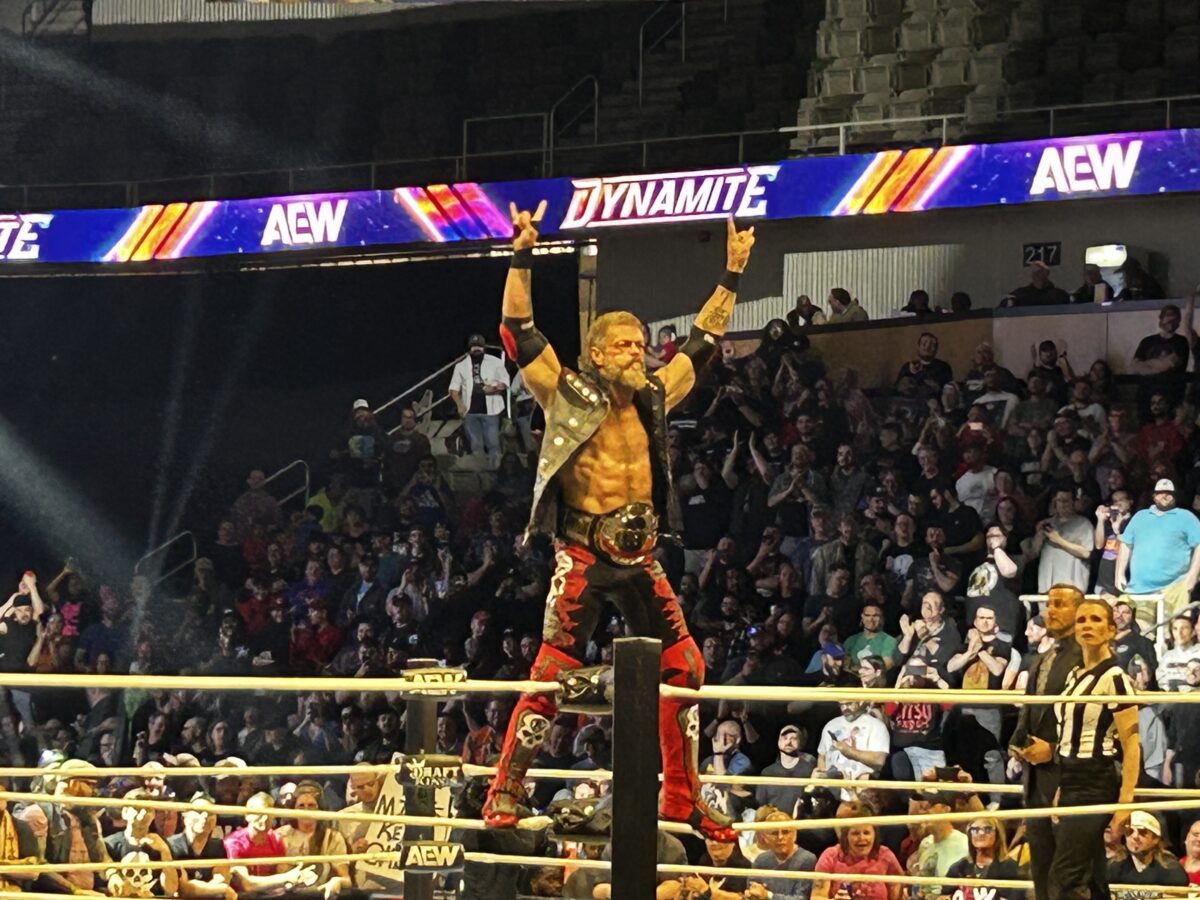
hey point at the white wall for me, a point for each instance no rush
(667, 273)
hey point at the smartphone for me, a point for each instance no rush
(947, 773)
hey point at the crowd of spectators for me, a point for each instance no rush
(835, 534)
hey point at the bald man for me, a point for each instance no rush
(1036, 734)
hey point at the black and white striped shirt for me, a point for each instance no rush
(1087, 730)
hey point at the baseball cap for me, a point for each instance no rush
(230, 762)
(77, 768)
(476, 340)
(1038, 621)
(1164, 486)
(22, 600)
(1145, 821)
(1038, 264)
(790, 729)
(833, 650)
(360, 403)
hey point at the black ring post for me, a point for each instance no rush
(420, 735)
(635, 767)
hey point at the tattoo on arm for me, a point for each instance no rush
(714, 316)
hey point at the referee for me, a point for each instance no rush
(1100, 756)
(1035, 740)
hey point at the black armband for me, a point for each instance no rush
(699, 347)
(522, 259)
(730, 280)
(521, 339)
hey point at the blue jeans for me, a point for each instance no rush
(924, 760)
(483, 435)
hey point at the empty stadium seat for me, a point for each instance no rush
(1181, 13)
(1181, 52)
(918, 37)
(1143, 14)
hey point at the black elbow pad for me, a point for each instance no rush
(699, 347)
(522, 341)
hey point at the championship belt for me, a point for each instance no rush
(623, 537)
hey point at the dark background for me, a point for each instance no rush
(244, 370)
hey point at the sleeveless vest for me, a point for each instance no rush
(574, 414)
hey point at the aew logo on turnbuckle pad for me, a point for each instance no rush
(426, 682)
(674, 197)
(431, 856)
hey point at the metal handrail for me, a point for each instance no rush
(555, 130)
(305, 489)
(424, 381)
(466, 127)
(161, 548)
(130, 187)
(681, 24)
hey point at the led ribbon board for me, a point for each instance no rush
(890, 181)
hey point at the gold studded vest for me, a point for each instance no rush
(576, 410)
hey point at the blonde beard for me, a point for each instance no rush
(631, 377)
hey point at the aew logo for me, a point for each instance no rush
(675, 197)
(1085, 168)
(19, 235)
(431, 771)
(304, 222)
(423, 681)
(430, 856)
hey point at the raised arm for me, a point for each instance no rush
(523, 342)
(679, 374)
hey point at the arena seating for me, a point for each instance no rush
(977, 61)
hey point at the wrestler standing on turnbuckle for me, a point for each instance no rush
(603, 480)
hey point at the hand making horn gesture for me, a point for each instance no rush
(737, 246)
(525, 225)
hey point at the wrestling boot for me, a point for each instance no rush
(679, 741)
(527, 729)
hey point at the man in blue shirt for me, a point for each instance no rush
(1163, 544)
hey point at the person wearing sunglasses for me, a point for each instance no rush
(986, 861)
(1145, 859)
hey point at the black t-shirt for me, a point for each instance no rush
(119, 847)
(706, 516)
(847, 612)
(1183, 732)
(15, 645)
(915, 725)
(1170, 382)
(1056, 382)
(960, 526)
(181, 848)
(921, 575)
(1049, 295)
(978, 677)
(478, 397)
(935, 370)
(997, 870)
(985, 587)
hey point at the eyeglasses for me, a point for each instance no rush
(981, 829)
(1142, 832)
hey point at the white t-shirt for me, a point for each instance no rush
(1056, 565)
(978, 491)
(864, 733)
(491, 369)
